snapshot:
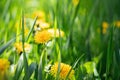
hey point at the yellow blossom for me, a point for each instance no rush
(64, 70)
(41, 25)
(4, 65)
(56, 32)
(75, 2)
(40, 14)
(42, 36)
(19, 48)
(117, 24)
(105, 26)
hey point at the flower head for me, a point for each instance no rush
(41, 25)
(19, 48)
(64, 70)
(105, 26)
(75, 2)
(4, 65)
(117, 24)
(40, 14)
(56, 32)
(42, 36)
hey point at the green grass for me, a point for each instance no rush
(84, 42)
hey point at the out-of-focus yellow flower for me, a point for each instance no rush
(117, 24)
(19, 48)
(41, 25)
(40, 14)
(56, 32)
(4, 65)
(105, 26)
(42, 36)
(75, 2)
(64, 70)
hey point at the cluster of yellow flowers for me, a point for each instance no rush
(43, 32)
(64, 70)
(4, 65)
(105, 26)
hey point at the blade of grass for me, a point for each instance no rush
(19, 68)
(59, 61)
(31, 29)
(109, 54)
(31, 69)
(40, 67)
(24, 55)
(7, 5)
(4, 47)
(75, 64)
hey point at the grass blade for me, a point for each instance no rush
(31, 69)
(75, 64)
(31, 29)
(19, 68)
(40, 67)
(2, 49)
(109, 54)
(24, 54)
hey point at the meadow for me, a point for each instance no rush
(59, 40)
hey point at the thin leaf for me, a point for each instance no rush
(19, 68)
(59, 61)
(31, 69)
(24, 54)
(2, 49)
(109, 54)
(31, 29)
(75, 64)
(40, 67)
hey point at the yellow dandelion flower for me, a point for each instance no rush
(42, 36)
(64, 70)
(75, 2)
(4, 65)
(117, 24)
(41, 25)
(105, 26)
(56, 32)
(19, 48)
(40, 14)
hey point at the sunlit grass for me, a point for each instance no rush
(59, 40)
